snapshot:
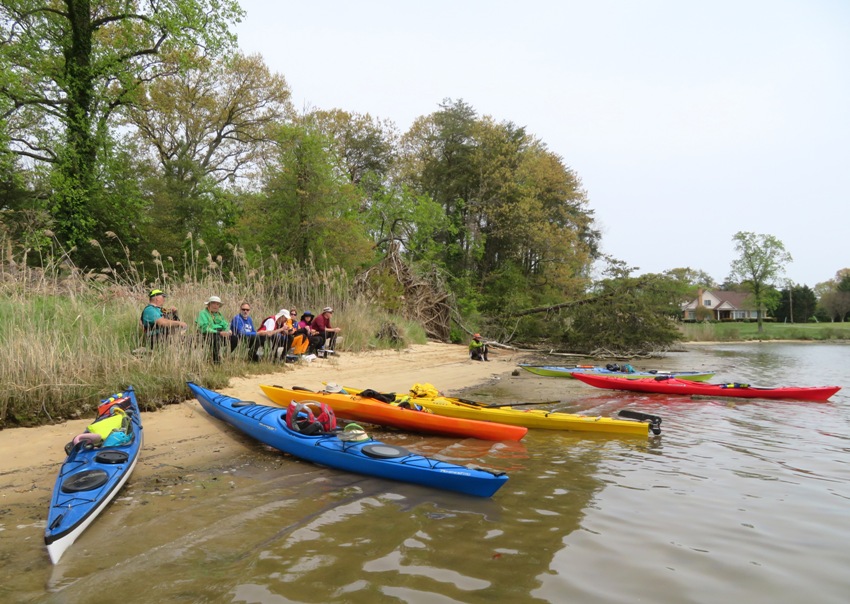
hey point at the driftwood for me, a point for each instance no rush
(424, 300)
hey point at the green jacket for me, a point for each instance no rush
(208, 322)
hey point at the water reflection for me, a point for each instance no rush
(735, 501)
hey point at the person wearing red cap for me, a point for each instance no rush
(477, 349)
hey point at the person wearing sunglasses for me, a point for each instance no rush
(242, 326)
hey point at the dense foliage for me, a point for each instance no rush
(135, 130)
(761, 261)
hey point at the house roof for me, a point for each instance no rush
(724, 300)
(735, 300)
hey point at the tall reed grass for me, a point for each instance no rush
(72, 337)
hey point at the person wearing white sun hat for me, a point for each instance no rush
(214, 327)
(278, 331)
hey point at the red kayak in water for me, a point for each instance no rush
(664, 385)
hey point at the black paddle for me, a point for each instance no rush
(653, 420)
(495, 405)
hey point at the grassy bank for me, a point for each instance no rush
(736, 332)
(69, 340)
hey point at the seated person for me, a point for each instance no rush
(158, 323)
(322, 324)
(307, 340)
(214, 327)
(276, 330)
(478, 349)
(242, 326)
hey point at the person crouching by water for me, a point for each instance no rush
(157, 322)
(214, 328)
(478, 349)
(242, 326)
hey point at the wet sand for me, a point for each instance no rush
(184, 436)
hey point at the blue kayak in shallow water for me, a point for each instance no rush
(94, 471)
(371, 457)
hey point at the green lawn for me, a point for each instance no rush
(727, 332)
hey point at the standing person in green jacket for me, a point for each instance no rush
(215, 328)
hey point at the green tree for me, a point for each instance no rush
(363, 147)
(626, 316)
(396, 215)
(689, 282)
(834, 296)
(438, 161)
(307, 212)
(797, 304)
(70, 66)
(517, 227)
(203, 130)
(761, 261)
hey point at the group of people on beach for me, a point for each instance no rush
(283, 334)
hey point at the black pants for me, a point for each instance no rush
(329, 340)
(254, 343)
(479, 354)
(317, 341)
(216, 341)
(277, 341)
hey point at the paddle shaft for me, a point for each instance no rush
(497, 405)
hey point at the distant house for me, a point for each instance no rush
(724, 306)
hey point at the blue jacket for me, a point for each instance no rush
(242, 327)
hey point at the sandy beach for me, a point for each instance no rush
(184, 436)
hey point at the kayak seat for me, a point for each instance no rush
(84, 481)
(384, 451)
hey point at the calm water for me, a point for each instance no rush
(734, 502)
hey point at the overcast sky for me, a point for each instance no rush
(686, 121)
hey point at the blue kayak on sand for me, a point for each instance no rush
(93, 472)
(371, 457)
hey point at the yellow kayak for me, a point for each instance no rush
(535, 418)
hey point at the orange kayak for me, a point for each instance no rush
(357, 408)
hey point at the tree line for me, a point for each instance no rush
(138, 130)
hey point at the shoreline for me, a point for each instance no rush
(183, 437)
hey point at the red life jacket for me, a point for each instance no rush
(263, 324)
(310, 418)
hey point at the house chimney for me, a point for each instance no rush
(699, 297)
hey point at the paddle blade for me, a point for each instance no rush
(654, 421)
